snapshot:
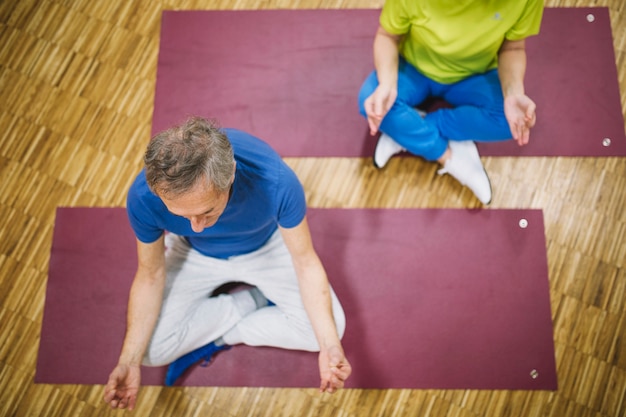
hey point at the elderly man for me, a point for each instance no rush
(216, 206)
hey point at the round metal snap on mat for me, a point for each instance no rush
(523, 223)
(590, 18)
(606, 142)
(534, 374)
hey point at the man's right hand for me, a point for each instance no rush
(123, 386)
(377, 105)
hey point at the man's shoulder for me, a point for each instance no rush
(139, 185)
(139, 192)
(240, 136)
(249, 147)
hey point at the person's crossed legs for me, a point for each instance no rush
(477, 115)
(193, 325)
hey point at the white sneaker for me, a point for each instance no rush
(466, 167)
(385, 149)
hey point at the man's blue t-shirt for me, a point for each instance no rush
(266, 193)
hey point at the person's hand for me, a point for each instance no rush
(377, 105)
(520, 113)
(334, 369)
(123, 386)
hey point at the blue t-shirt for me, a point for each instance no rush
(266, 193)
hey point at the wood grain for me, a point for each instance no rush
(77, 82)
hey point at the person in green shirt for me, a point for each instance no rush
(469, 53)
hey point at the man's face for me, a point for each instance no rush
(202, 206)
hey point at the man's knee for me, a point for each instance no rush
(340, 318)
(158, 354)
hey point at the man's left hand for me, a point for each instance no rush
(334, 369)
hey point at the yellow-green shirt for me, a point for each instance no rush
(449, 40)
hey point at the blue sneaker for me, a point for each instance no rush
(180, 365)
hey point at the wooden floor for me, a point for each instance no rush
(77, 82)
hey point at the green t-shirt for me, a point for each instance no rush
(449, 40)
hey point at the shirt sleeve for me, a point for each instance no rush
(394, 17)
(529, 23)
(140, 216)
(291, 199)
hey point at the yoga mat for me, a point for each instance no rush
(292, 77)
(450, 299)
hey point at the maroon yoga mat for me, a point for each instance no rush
(292, 77)
(452, 298)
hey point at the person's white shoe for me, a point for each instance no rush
(464, 164)
(385, 149)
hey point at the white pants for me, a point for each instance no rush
(190, 318)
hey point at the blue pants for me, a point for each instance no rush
(477, 113)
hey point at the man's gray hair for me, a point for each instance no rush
(179, 158)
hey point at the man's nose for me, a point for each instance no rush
(197, 223)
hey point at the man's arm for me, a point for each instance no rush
(386, 63)
(315, 292)
(144, 306)
(518, 107)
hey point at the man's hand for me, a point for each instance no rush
(123, 386)
(334, 369)
(377, 105)
(520, 113)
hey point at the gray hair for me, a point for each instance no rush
(179, 158)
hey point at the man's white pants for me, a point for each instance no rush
(190, 318)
